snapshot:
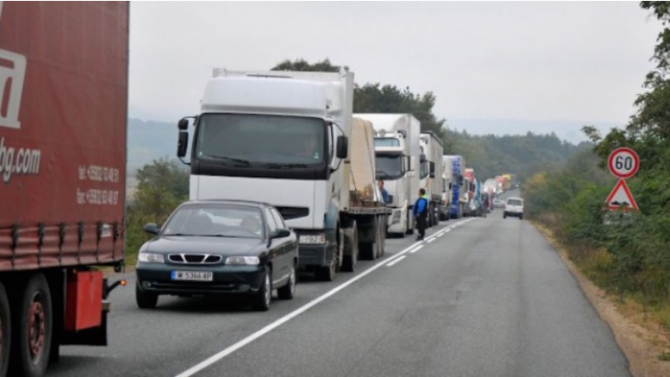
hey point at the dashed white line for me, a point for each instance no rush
(396, 261)
(430, 240)
(227, 351)
(416, 249)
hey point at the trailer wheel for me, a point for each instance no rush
(381, 235)
(32, 341)
(349, 263)
(5, 331)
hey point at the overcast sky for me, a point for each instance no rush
(528, 61)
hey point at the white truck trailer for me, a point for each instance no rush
(285, 138)
(445, 205)
(397, 160)
(431, 173)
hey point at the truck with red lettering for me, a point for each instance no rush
(63, 119)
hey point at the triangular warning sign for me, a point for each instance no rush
(620, 197)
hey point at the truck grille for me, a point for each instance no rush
(194, 258)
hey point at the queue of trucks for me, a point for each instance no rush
(62, 214)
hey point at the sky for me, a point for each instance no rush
(494, 66)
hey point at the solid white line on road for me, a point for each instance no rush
(397, 260)
(430, 240)
(416, 249)
(227, 351)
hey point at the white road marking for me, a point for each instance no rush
(227, 351)
(396, 261)
(430, 240)
(415, 249)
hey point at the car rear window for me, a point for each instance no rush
(514, 202)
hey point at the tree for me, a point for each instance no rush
(163, 185)
(374, 98)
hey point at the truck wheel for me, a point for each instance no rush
(145, 300)
(328, 273)
(5, 331)
(32, 341)
(381, 236)
(352, 248)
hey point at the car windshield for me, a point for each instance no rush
(514, 202)
(216, 221)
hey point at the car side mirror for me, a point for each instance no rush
(152, 228)
(342, 147)
(182, 144)
(281, 233)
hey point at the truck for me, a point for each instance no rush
(471, 187)
(431, 162)
(63, 127)
(289, 139)
(445, 205)
(397, 163)
(459, 187)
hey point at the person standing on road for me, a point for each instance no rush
(420, 211)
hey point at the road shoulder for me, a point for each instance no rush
(640, 345)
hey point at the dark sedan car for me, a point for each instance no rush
(219, 247)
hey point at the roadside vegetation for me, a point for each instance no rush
(626, 254)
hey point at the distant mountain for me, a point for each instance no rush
(568, 130)
(148, 141)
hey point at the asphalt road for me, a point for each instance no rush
(488, 297)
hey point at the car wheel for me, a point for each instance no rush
(287, 292)
(145, 300)
(264, 295)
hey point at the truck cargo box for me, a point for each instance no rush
(63, 116)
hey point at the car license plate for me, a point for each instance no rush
(193, 275)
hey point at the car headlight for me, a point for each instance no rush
(313, 239)
(243, 261)
(150, 258)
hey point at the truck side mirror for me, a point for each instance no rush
(342, 147)
(182, 143)
(183, 124)
(432, 169)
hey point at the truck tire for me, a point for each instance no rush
(328, 273)
(5, 331)
(351, 242)
(145, 300)
(381, 236)
(32, 338)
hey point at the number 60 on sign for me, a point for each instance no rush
(623, 163)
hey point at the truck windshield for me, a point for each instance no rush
(423, 169)
(387, 142)
(241, 139)
(389, 166)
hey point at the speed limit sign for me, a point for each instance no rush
(623, 163)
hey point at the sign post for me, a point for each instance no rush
(623, 163)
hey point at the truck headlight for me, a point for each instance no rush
(150, 258)
(313, 239)
(243, 261)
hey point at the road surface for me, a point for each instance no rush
(480, 297)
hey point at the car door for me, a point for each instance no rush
(287, 245)
(274, 248)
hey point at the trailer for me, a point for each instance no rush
(63, 127)
(431, 181)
